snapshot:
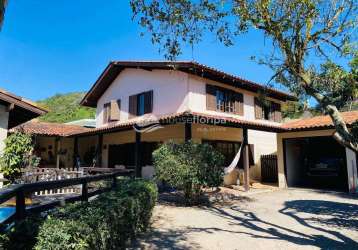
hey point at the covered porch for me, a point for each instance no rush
(127, 145)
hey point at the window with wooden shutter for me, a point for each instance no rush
(115, 110)
(277, 112)
(258, 109)
(239, 104)
(148, 102)
(210, 97)
(132, 108)
(106, 113)
(141, 104)
(224, 100)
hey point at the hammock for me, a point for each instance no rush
(234, 163)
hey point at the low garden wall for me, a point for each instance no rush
(110, 221)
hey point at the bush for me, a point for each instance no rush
(17, 155)
(189, 167)
(108, 222)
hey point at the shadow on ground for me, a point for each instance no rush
(325, 218)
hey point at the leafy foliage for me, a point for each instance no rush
(189, 167)
(339, 84)
(108, 222)
(17, 155)
(2, 11)
(303, 33)
(65, 108)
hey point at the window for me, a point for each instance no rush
(107, 112)
(229, 150)
(141, 104)
(224, 100)
(268, 110)
(111, 111)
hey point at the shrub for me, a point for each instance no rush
(189, 167)
(17, 155)
(108, 222)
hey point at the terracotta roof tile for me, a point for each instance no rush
(319, 122)
(179, 117)
(57, 129)
(49, 129)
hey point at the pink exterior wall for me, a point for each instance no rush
(173, 91)
(169, 91)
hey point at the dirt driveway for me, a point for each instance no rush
(283, 219)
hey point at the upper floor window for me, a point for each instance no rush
(111, 111)
(141, 104)
(267, 110)
(106, 112)
(224, 100)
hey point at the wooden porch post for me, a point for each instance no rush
(188, 133)
(99, 152)
(75, 152)
(58, 148)
(246, 160)
(137, 154)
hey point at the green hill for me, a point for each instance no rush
(65, 108)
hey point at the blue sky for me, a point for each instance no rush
(49, 47)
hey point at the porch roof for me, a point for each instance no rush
(319, 122)
(49, 129)
(20, 109)
(188, 116)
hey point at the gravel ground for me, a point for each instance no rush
(282, 219)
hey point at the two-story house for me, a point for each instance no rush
(142, 104)
(190, 101)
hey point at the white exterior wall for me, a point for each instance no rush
(265, 143)
(4, 120)
(169, 87)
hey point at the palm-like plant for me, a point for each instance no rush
(2, 11)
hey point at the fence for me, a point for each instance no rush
(20, 191)
(32, 175)
(269, 172)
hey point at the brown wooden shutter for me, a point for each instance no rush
(106, 114)
(277, 111)
(272, 108)
(132, 109)
(239, 103)
(148, 102)
(258, 109)
(115, 110)
(210, 97)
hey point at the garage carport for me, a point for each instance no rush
(315, 162)
(309, 157)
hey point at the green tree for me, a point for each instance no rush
(339, 84)
(2, 11)
(17, 155)
(189, 167)
(302, 32)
